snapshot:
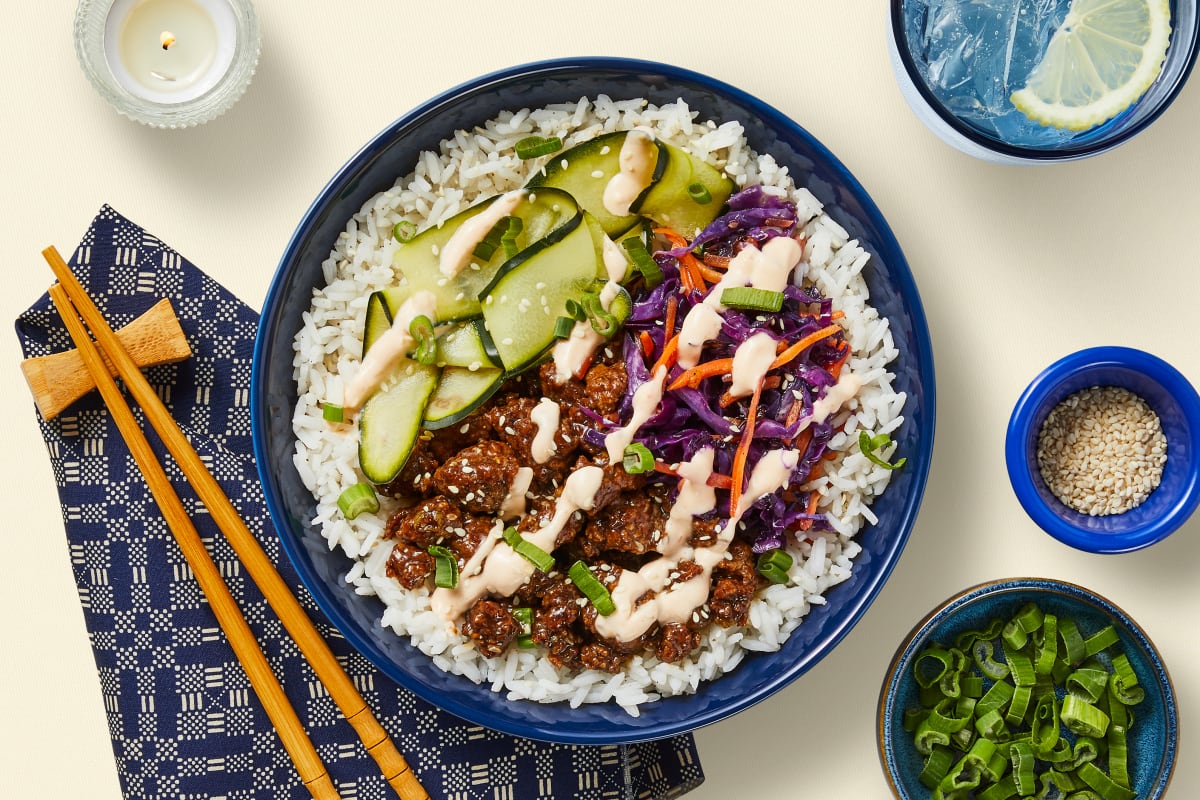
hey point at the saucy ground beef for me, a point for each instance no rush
(458, 479)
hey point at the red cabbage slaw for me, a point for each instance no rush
(689, 419)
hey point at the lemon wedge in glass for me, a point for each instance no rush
(1098, 63)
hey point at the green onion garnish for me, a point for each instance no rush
(445, 567)
(642, 261)
(358, 498)
(508, 239)
(1100, 640)
(524, 617)
(421, 329)
(699, 193)
(575, 310)
(528, 550)
(603, 321)
(563, 326)
(750, 299)
(404, 231)
(534, 146)
(592, 588)
(869, 445)
(774, 565)
(332, 412)
(637, 459)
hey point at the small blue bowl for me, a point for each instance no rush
(1153, 738)
(393, 153)
(1167, 393)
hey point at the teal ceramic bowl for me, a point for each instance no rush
(1153, 737)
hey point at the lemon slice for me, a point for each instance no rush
(1102, 59)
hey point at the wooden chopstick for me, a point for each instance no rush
(245, 647)
(395, 769)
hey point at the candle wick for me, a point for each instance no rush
(167, 39)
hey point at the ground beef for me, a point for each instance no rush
(541, 511)
(606, 386)
(416, 477)
(409, 565)
(466, 539)
(675, 642)
(512, 420)
(734, 582)
(450, 440)
(572, 391)
(631, 523)
(428, 522)
(492, 626)
(479, 476)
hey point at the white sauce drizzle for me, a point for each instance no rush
(499, 570)
(572, 353)
(835, 397)
(701, 324)
(751, 360)
(615, 262)
(514, 502)
(387, 350)
(637, 160)
(457, 253)
(545, 416)
(645, 404)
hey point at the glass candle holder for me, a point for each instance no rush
(168, 63)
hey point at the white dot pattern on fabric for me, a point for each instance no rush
(184, 721)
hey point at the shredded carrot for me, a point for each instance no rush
(740, 456)
(669, 353)
(836, 369)
(669, 322)
(837, 314)
(810, 508)
(716, 480)
(693, 266)
(808, 341)
(689, 268)
(692, 377)
(647, 343)
(727, 399)
(709, 273)
(803, 439)
(664, 469)
(715, 261)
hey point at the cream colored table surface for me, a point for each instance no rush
(1016, 268)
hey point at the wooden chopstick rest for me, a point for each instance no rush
(58, 380)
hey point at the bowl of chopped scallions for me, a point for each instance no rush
(1027, 687)
(1103, 449)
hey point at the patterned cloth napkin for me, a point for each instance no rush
(184, 720)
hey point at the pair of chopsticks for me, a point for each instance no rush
(72, 301)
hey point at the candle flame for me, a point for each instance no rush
(167, 39)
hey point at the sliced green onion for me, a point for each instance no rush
(1108, 789)
(563, 327)
(1090, 681)
(949, 684)
(642, 261)
(991, 726)
(1020, 667)
(1018, 706)
(357, 499)
(1048, 653)
(1003, 789)
(983, 654)
(1082, 718)
(602, 320)
(576, 311)
(1014, 636)
(1072, 641)
(912, 718)
(637, 459)
(1086, 749)
(931, 664)
(972, 686)
(592, 588)
(404, 231)
(1021, 755)
(535, 146)
(1124, 682)
(996, 698)
(1118, 756)
(1044, 725)
(524, 617)
(936, 766)
(508, 240)
(1100, 640)
(332, 412)
(699, 192)
(869, 445)
(421, 329)
(528, 550)
(750, 299)
(445, 567)
(774, 565)
(965, 640)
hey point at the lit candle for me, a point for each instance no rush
(169, 51)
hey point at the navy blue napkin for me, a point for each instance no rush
(184, 721)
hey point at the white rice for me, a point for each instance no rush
(470, 166)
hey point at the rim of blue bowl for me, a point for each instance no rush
(1032, 154)
(898, 668)
(634, 732)
(1029, 487)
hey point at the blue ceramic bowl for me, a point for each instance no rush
(1167, 393)
(1153, 738)
(391, 154)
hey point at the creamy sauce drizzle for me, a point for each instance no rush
(496, 568)
(615, 262)
(545, 416)
(514, 502)
(702, 324)
(387, 350)
(457, 253)
(572, 353)
(751, 360)
(645, 404)
(637, 160)
(835, 397)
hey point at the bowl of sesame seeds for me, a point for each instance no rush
(1103, 449)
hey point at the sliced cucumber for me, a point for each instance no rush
(459, 392)
(379, 319)
(668, 203)
(461, 345)
(584, 171)
(390, 421)
(458, 297)
(521, 305)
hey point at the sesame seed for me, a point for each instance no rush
(605, 150)
(490, 299)
(453, 489)
(509, 430)
(435, 250)
(563, 163)
(473, 366)
(442, 281)
(470, 496)
(467, 468)
(506, 340)
(540, 285)
(596, 173)
(459, 296)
